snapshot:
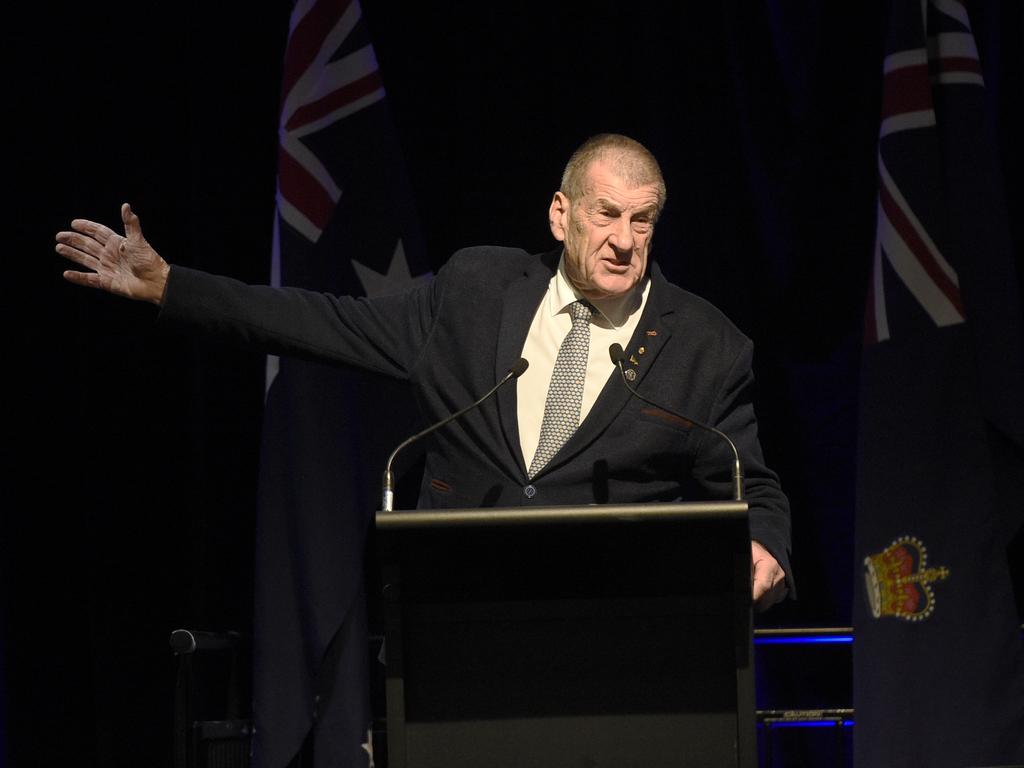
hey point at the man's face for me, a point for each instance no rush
(607, 233)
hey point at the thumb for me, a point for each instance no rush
(132, 225)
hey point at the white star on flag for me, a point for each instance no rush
(397, 279)
(368, 746)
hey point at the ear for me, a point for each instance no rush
(558, 216)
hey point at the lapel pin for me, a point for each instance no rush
(633, 360)
(642, 350)
(652, 333)
(630, 374)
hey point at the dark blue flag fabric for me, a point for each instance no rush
(939, 659)
(344, 225)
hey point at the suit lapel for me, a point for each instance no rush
(651, 334)
(522, 297)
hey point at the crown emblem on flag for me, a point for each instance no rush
(899, 583)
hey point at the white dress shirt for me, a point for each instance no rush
(614, 322)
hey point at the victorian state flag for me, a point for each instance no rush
(938, 660)
(344, 224)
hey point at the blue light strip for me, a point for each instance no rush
(808, 724)
(804, 640)
(803, 637)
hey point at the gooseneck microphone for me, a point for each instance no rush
(617, 354)
(388, 496)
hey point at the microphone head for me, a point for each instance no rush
(519, 367)
(616, 353)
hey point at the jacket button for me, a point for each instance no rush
(529, 491)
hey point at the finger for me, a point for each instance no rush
(761, 584)
(765, 582)
(765, 573)
(94, 229)
(768, 583)
(132, 225)
(77, 256)
(82, 243)
(88, 279)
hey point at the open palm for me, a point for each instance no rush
(123, 265)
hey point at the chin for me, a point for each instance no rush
(616, 285)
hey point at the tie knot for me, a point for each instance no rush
(581, 312)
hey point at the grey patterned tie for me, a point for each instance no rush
(565, 392)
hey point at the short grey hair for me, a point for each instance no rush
(628, 158)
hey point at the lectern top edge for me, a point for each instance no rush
(594, 513)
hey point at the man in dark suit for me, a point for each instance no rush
(567, 433)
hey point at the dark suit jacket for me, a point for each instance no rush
(455, 337)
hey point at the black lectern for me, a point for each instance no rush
(569, 636)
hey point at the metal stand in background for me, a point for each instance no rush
(202, 741)
(597, 636)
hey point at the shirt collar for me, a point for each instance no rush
(613, 311)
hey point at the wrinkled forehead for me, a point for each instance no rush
(623, 175)
(604, 184)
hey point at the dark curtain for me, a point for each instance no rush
(133, 463)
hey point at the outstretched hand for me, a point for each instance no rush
(126, 266)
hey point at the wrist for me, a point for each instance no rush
(157, 286)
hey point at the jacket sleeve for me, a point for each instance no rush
(733, 414)
(386, 335)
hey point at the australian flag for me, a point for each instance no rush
(939, 659)
(344, 224)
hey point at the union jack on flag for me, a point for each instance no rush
(910, 235)
(325, 80)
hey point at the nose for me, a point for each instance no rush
(621, 238)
